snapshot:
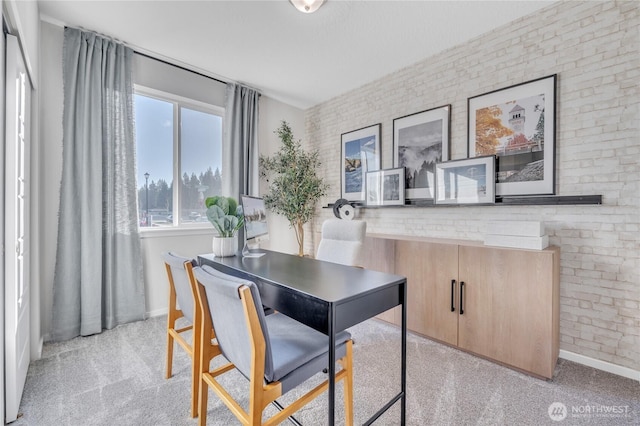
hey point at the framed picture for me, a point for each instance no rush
(385, 187)
(467, 181)
(517, 125)
(420, 141)
(360, 153)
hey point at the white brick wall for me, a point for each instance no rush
(594, 49)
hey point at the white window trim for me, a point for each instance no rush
(181, 101)
(177, 231)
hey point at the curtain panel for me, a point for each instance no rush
(240, 153)
(241, 147)
(98, 280)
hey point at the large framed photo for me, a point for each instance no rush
(467, 181)
(420, 141)
(517, 125)
(360, 153)
(385, 187)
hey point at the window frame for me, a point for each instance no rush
(179, 102)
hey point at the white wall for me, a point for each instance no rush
(186, 243)
(162, 76)
(594, 49)
(23, 18)
(281, 236)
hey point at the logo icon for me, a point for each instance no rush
(557, 411)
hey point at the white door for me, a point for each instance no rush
(16, 333)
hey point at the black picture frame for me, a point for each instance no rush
(360, 153)
(517, 124)
(420, 140)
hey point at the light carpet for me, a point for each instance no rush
(117, 378)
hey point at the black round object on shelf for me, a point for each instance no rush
(338, 205)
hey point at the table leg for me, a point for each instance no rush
(403, 378)
(332, 366)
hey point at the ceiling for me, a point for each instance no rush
(300, 59)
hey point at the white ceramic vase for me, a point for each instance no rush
(225, 246)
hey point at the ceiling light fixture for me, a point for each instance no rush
(307, 6)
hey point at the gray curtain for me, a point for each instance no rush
(98, 279)
(240, 151)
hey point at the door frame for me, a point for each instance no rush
(2, 206)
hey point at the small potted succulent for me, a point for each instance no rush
(226, 216)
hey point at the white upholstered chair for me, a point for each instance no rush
(342, 241)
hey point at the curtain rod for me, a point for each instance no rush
(164, 61)
(146, 55)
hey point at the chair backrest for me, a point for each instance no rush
(229, 321)
(342, 241)
(184, 293)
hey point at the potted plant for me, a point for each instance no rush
(294, 185)
(226, 216)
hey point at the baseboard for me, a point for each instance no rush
(601, 365)
(36, 353)
(157, 313)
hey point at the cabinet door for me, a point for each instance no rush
(508, 306)
(429, 268)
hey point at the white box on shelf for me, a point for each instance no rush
(523, 228)
(516, 241)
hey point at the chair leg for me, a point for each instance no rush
(348, 385)
(196, 360)
(168, 372)
(195, 385)
(203, 402)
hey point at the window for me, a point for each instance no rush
(177, 140)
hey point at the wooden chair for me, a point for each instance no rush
(183, 291)
(275, 353)
(342, 241)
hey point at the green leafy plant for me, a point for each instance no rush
(225, 215)
(294, 185)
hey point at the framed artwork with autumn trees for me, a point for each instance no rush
(517, 125)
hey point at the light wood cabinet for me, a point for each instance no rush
(430, 269)
(510, 297)
(511, 306)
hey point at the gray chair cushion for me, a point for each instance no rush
(181, 283)
(299, 351)
(294, 352)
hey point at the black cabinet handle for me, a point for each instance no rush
(461, 301)
(453, 290)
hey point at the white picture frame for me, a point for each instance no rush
(467, 181)
(385, 187)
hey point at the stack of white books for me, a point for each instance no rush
(516, 234)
